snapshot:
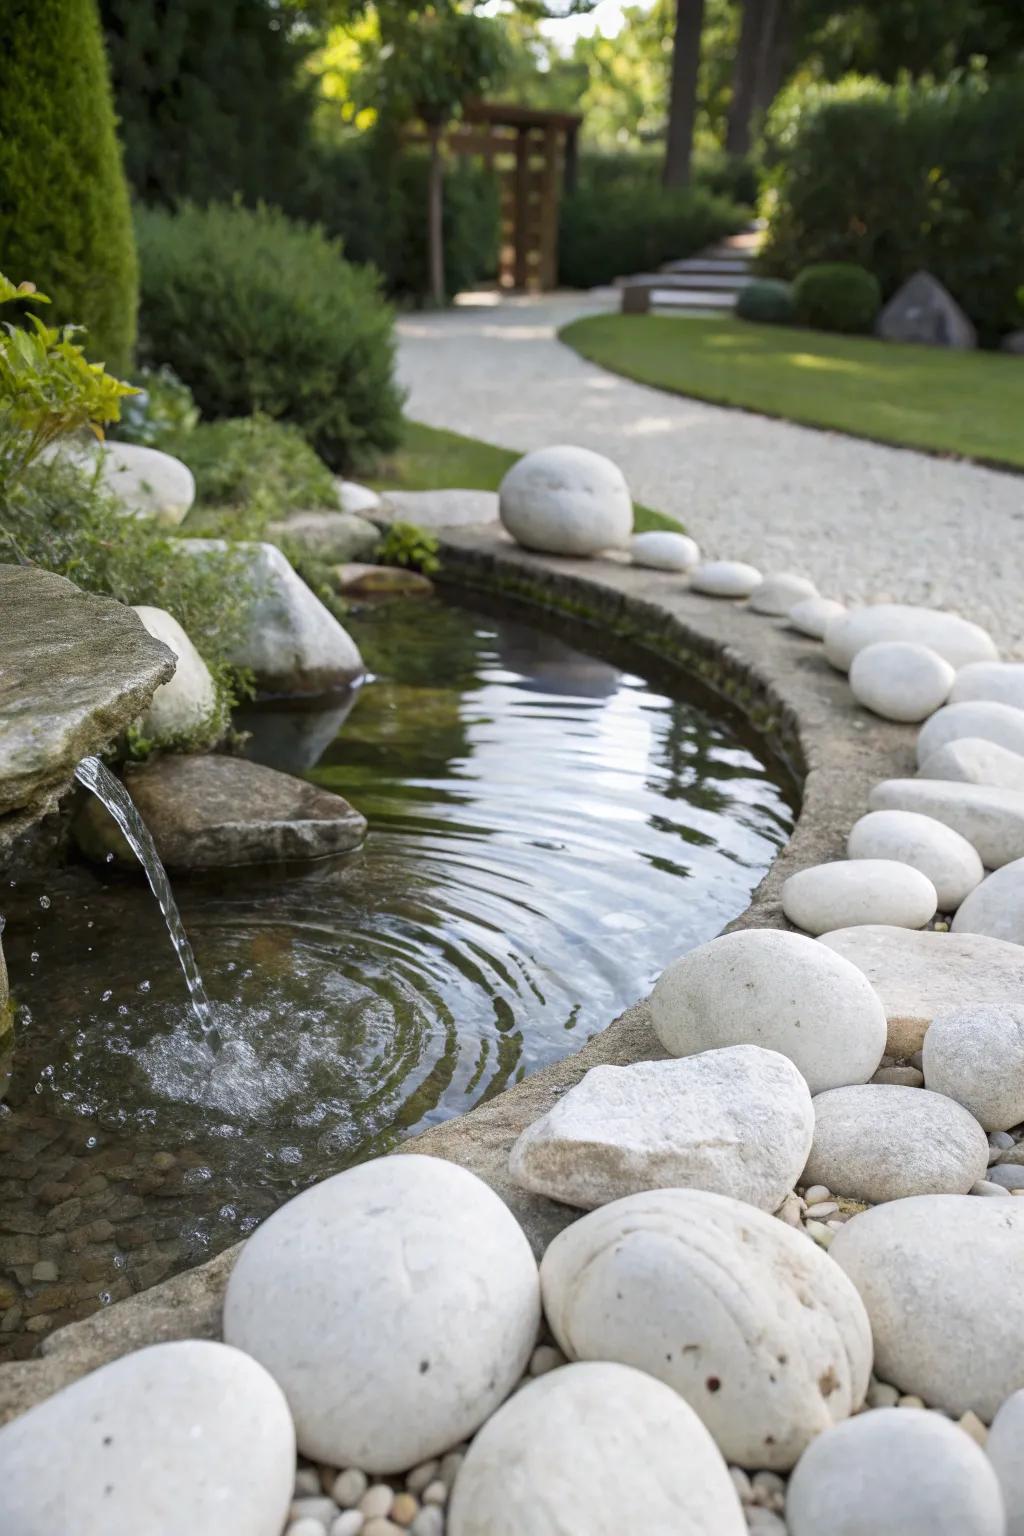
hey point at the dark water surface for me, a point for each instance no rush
(547, 830)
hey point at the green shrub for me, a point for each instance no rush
(407, 545)
(251, 465)
(257, 313)
(900, 178)
(836, 296)
(614, 228)
(65, 222)
(161, 406)
(768, 300)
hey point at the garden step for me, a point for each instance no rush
(638, 298)
(739, 265)
(728, 282)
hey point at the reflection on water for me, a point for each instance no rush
(547, 830)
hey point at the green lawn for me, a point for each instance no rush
(968, 404)
(429, 459)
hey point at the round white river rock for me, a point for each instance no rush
(594, 1450)
(975, 1055)
(991, 819)
(1001, 681)
(813, 615)
(900, 680)
(940, 1276)
(566, 501)
(779, 591)
(956, 639)
(396, 1303)
(1005, 1450)
(778, 990)
(979, 719)
(903, 1471)
(190, 1436)
(970, 760)
(945, 858)
(147, 482)
(996, 906)
(880, 1141)
(852, 891)
(188, 702)
(664, 551)
(737, 1121)
(725, 578)
(749, 1321)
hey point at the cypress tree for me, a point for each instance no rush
(65, 219)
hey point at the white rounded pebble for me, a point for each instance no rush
(429, 1522)
(377, 1500)
(745, 1319)
(545, 1358)
(817, 1193)
(940, 1277)
(944, 857)
(900, 681)
(306, 1526)
(595, 1448)
(379, 1525)
(664, 551)
(955, 639)
(813, 615)
(779, 592)
(1000, 681)
(876, 1141)
(896, 1470)
(976, 719)
(881, 1394)
(970, 760)
(1009, 1175)
(849, 892)
(349, 1487)
(741, 1482)
(765, 1522)
(188, 1436)
(566, 501)
(996, 906)
(986, 1187)
(725, 578)
(434, 1493)
(1004, 1446)
(349, 1523)
(314, 1508)
(307, 1483)
(991, 819)
(769, 1488)
(975, 1055)
(382, 1374)
(426, 1472)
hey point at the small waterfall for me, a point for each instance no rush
(113, 795)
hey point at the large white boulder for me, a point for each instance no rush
(900, 680)
(991, 819)
(190, 1436)
(356, 498)
(662, 550)
(749, 1321)
(898, 1470)
(880, 1141)
(978, 719)
(975, 1055)
(948, 860)
(725, 578)
(594, 1450)
(917, 976)
(566, 501)
(291, 643)
(996, 906)
(396, 1304)
(779, 592)
(851, 891)
(1005, 1450)
(187, 705)
(737, 1121)
(940, 1276)
(970, 760)
(959, 641)
(777, 990)
(812, 615)
(148, 482)
(1002, 681)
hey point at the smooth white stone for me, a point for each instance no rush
(737, 1121)
(879, 1141)
(566, 501)
(940, 1276)
(664, 551)
(996, 906)
(894, 1470)
(1009, 1175)
(190, 1436)
(1002, 681)
(945, 858)
(991, 819)
(917, 976)
(397, 1304)
(725, 578)
(1004, 1448)
(147, 482)
(778, 990)
(188, 701)
(959, 641)
(597, 1449)
(779, 592)
(970, 760)
(749, 1322)
(977, 719)
(813, 615)
(975, 1055)
(900, 680)
(852, 891)
(356, 498)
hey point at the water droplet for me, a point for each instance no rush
(106, 996)
(34, 957)
(122, 1008)
(144, 986)
(109, 859)
(119, 1261)
(106, 1298)
(91, 1141)
(44, 902)
(39, 1088)
(90, 924)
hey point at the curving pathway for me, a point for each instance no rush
(867, 523)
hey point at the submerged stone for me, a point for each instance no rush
(355, 580)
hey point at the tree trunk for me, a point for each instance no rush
(683, 96)
(435, 218)
(744, 78)
(773, 56)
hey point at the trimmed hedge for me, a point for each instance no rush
(256, 313)
(900, 178)
(767, 300)
(837, 296)
(65, 221)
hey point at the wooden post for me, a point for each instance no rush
(572, 160)
(522, 219)
(549, 211)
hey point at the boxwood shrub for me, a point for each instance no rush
(768, 300)
(836, 296)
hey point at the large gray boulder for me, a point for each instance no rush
(925, 312)
(335, 537)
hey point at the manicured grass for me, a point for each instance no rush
(429, 459)
(968, 404)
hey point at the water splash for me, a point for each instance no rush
(115, 798)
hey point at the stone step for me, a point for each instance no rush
(724, 265)
(684, 280)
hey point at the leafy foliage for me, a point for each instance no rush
(254, 466)
(407, 545)
(162, 404)
(836, 296)
(259, 314)
(767, 300)
(64, 215)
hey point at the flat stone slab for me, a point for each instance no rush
(74, 671)
(439, 509)
(213, 812)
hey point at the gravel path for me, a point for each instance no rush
(865, 522)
